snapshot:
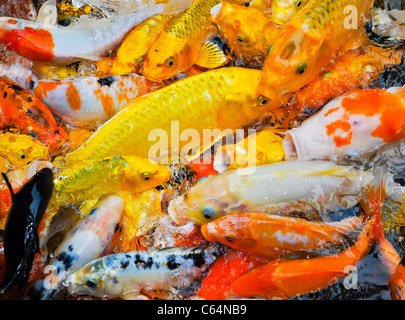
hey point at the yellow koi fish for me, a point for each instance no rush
(248, 31)
(220, 99)
(137, 43)
(92, 179)
(284, 10)
(184, 44)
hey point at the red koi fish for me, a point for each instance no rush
(216, 285)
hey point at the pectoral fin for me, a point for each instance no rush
(211, 56)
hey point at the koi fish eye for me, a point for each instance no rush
(241, 38)
(170, 61)
(91, 284)
(262, 100)
(298, 3)
(301, 68)
(229, 238)
(209, 213)
(146, 175)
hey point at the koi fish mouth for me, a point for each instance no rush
(177, 211)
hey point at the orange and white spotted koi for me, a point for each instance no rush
(90, 101)
(351, 126)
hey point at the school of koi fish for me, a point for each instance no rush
(202, 149)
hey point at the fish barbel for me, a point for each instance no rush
(307, 43)
(220, 99)
(319, 186)
(125, 274)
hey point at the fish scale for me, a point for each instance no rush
(190, 21)
(198, 97)
(320, 15)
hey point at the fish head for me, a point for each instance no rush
(284, 10)
(293, 61)
(167, 57)
(230, 230)
(206, 201)
(141, 174)
(246, 30)
(94, 280)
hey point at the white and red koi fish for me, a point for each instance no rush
(88, 101)
(87, 39)
(349, 127)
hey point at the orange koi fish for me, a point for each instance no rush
(397, 282)
(348, 72)
(288, 278)
(307, 43)
(350, 126)
(21, 109)
(270, 236)
(90, 101)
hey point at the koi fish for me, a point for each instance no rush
(284, 10)
(230, 266)
(20, 149)
(15, 67)
(397, 282)
(306, 44)
(257, 149)
(184, 43)
(221, 99)
(91, 179)
(348, 72)
(18, 177)
(319, 186)
(90, 101)
(21, 240)
(21, 109)
(248, 31)
(271, 236)
(57, 44)
(92, 237)
(289, 278)
(125, 274)
(348, 128)
(136, 44)
(142, 213)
